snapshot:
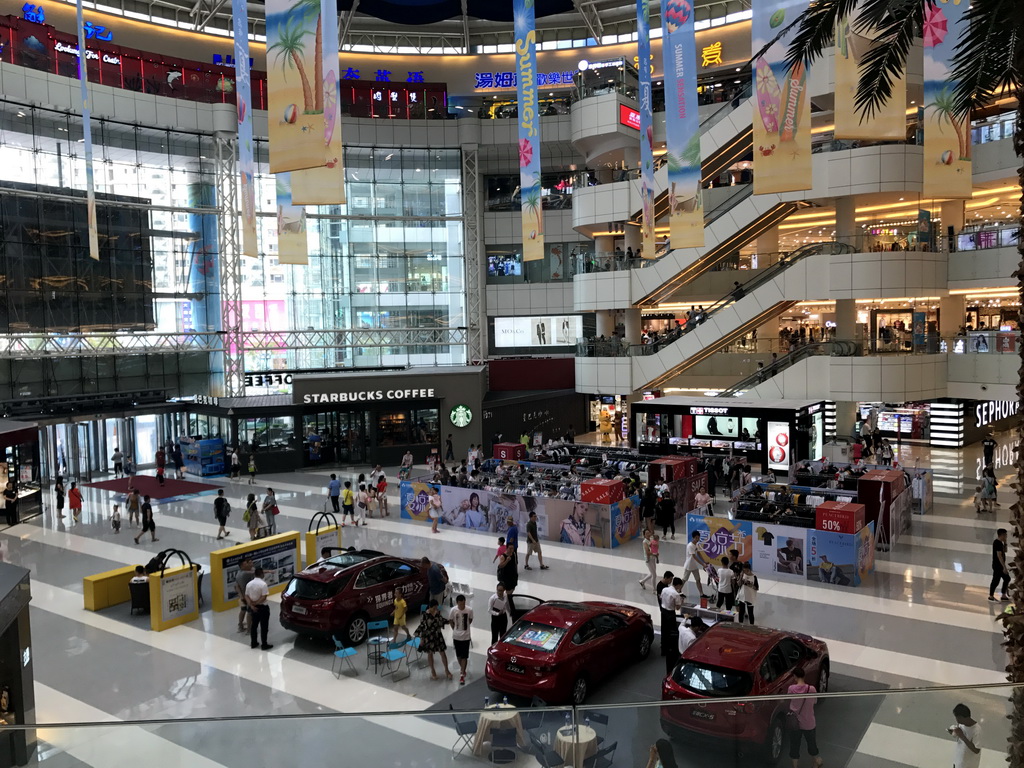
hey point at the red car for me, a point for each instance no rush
(734, 660)
(339, 595)
(558, 651)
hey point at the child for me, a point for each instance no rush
(748, 593)
(252, 470)
(655, 546)
(160, 475)
(979, 503)
(115, 519)
(501, 549)
(399, 614)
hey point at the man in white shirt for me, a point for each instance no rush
(498, 608)
(726, 577)
(692, 565)
(671, 601)
(140, 577)
(967, 732)
(256, 594)
(687, 637)
(460, 617)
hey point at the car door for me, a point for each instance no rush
(406, 578)
(613, 644)
(374, 595)
(520, 605)
(794, 655)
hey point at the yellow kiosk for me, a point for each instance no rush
(278, 555)
(326, 534)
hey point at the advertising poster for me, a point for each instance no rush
(204, 261)
(853, 41)
(779, 448)
(326, 185)
(782, 117)
(689, 488)
(720, 534)
(177, 595)
(832, 557)
(292, 246)
(295, 94)
(537, 331)
(625, 520)
(243, 105)
(947, 136)
(779, 551)
(529, 129)
(279, 559)
(415, 499)
(865, 552)
(90, 183)
(643, 52)
(465, 508)
(682, 124)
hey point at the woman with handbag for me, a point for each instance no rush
(801, 722)
(270, 511)
(251, 517)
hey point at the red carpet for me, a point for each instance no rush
(147, 484)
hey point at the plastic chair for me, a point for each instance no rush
(343, 655)
(504, 743)
(602, 758)
(416, 644)
(546, 756)
(377, 636)
(464, 729)
(139, 592)
(392, 658)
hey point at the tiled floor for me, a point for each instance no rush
(923, 621)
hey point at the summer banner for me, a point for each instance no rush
(295, 96)
(529, 130)
(243, 103)
(853, 41)
(782, 120)
(947, 138)
(643, 50)
(718, 535)
(326, 185)
(90, 184)
(292, 247)
(682, 124)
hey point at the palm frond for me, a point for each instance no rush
(815, 30)
(897, 23)
(987, 57)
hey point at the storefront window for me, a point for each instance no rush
(426, 426)
(273, 432)
(393, 428)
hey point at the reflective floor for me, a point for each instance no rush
(923, 620)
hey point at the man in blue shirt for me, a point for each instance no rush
(436, 579)
(512, 534)
(334, 491)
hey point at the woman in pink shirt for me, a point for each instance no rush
(805, 722)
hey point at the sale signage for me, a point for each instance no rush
(839, 516)
(629, 117)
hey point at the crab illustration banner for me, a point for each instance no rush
(854, 39)
(292, 247)
(529, 129)
(243, 104)
(682, 124)
(947, 136)
(326, 185)
(643, 56)
(295, 96)
(90, 183)
(782, 115)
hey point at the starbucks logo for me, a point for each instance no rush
(461, 416)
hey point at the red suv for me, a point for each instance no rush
(339, 595)
(734, 660)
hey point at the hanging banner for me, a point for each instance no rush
(326, 185)
(947, 137)
(90, 184)
(682, 124)
(853, 41)
(529, 130)
(782, 120)
(243, 103)
(292, 247)
(295, 96)
(643, 57)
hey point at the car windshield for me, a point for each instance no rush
(307, 589)
(712, 681)
(538, 637)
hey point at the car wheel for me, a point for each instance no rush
(775, 741)
(355, 630)
(579, 690)
(645, 645)
(823, 677)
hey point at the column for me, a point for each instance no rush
(847, 327)
(604, 246)
(952, 213)
(768, 243)
(846, 221)
(633, 325)
(633, 238)
(846, 418)
(952, 311)
(605, 322)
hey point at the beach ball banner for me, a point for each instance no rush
(525, 23)
(243, 104)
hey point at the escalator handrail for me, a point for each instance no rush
(833, 348)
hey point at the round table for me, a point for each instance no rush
(584, 742)
(497, 716)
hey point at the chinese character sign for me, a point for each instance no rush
(292, 247)
(782, 114)
(682, 123)
(90, 184)
(710, 55)
(854, 39)
(243, 103)
(529, 130)
(295, 95)
(643, 45)
(947, 137)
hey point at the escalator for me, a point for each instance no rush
(804, 351)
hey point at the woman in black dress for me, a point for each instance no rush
(431, 635)
(665, 516)
(508, 570)
(58, 489)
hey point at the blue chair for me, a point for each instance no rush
(377, 637)
(417, 645)
(392, 658)
(343, 655)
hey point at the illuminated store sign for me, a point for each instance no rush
(89, 55)
(502, 80)
(368, 396)
(995, 410)
(706, 411)
(629, 117)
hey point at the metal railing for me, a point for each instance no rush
(831, 348)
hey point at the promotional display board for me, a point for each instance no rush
(277, 555)
(718, 535)
(538, 331)
(853, 41)
(779, 448)
(601, 491)
(173, 597)
(510, 451)
(780, 551)
(840, 558)
(329, 536)
(839, 517)
(643, 50)
(625, 520)
(292, 243)
(685, 491)
(525, 27)
(243, 108)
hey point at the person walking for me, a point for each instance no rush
(460, 617)
(665, 516)
(1000, 571)
(118, 458)
(362, 503)
(533, 543)
(221, 510)
(132, 504)
(348, 504)
(806, 725)
(498, 608)
(256, 594)
(10, 503)
(178, 460)
(236, 464)
(161, 463)
(436, 580)
(148, 523)
(449, 448)
(691, 565)
(406, 468)
(382, 490)
(747, 597)
(245, 575)
(988, 489)
(399, 614)
(252, 469)
(671, 602)
(650, 561)
(59, 492)
(334, 493)
(252, 517)
(508, 569)
(988, 447)
(269, 511)
(431, 635)
(967, 732)
(75, 501)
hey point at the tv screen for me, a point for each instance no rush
(508, 265)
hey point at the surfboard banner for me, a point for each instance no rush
(292, 246)
(531, 203)
(243, 104)
(782, 116)
(682, 124)
(643, 52)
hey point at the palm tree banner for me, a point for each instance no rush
(855, 37)
(682, 124)
(295, 96)
(325, 185)
(292, 246)
(947, 136)
(643, 58)
(243, 105)
(782, 118)
(525, 23)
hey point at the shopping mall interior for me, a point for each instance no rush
(831, 354)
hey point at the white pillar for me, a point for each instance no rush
(952, 213)
(847, 327)
(846, 417)
(605, 322)
(846, 221)
(633, 237)
(604, 244)
(952, 311)
(768, 242)
(633, 325)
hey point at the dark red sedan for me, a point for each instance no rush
(339, 595)
(735, 660)
(559, 651)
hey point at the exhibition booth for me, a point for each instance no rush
(19, 466)
(278, 555)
